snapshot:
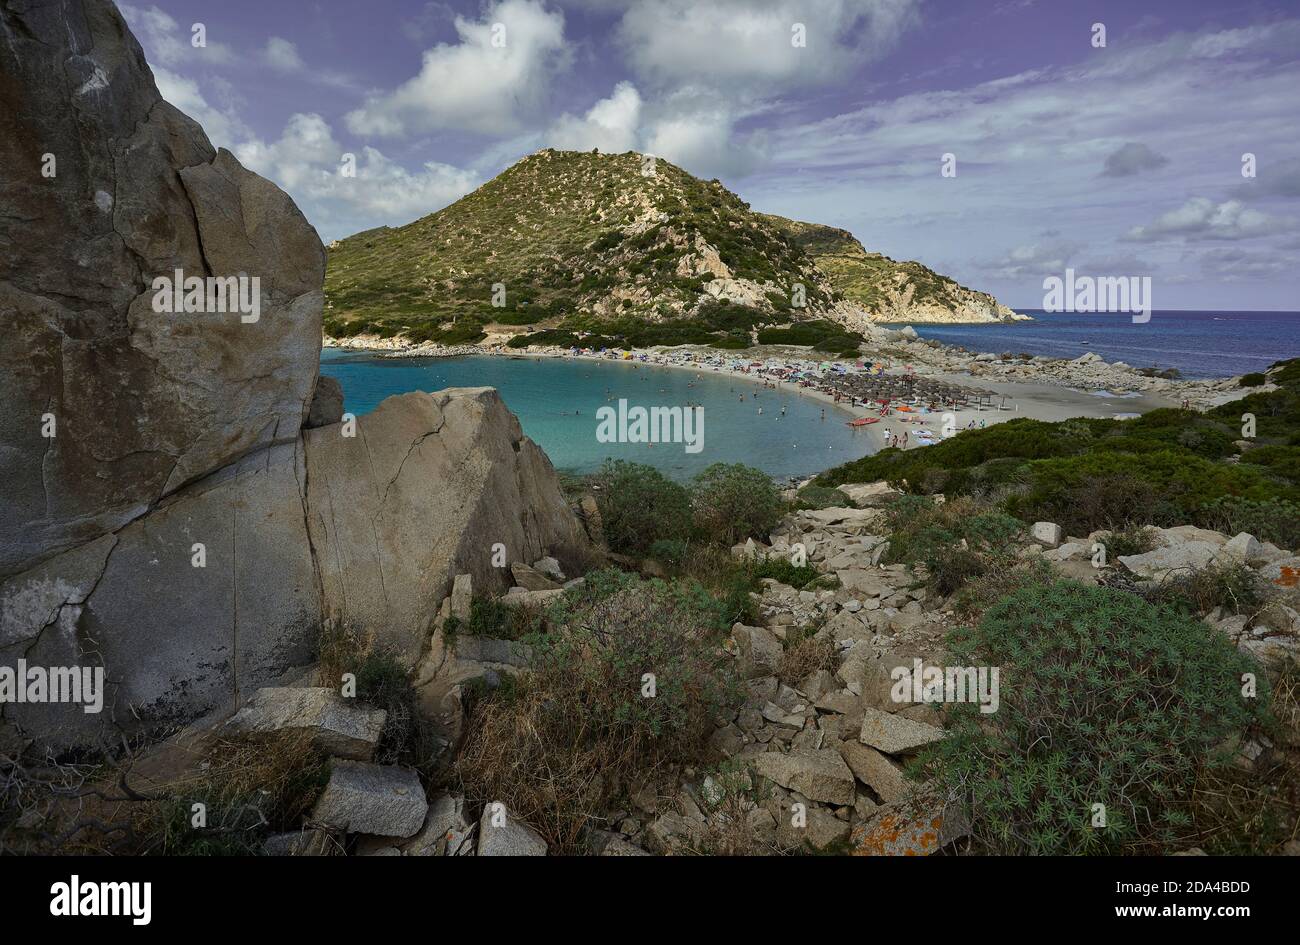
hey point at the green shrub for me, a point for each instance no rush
(383, 682)
(1275, 520)
(489, 617)
(734, 502)
(1133, 540)
(669, 550)
(1254, 379)
(1104, 699)
(822, 497)
(1234, 587)
(640, 506)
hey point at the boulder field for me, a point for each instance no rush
(179, 508)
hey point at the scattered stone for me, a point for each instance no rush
(875, 771)
(760, 651)
(1245, 548)
(530, 579)
(326, 403)
(309, 842)
(516, 597)
(462, 593)
(551, 568)
(376, 799)
(510, 838)
(1047, 534)
(446, 831)
(340, 727)
(819, 775)
(821, 830)
(894, 734)
(919, 827)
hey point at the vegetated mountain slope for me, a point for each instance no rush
(890, 290)
(606, 248)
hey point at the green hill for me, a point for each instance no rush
(603, 247)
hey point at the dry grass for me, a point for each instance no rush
(1236, 812)
(806, 655)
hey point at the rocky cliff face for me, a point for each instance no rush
(164, 517)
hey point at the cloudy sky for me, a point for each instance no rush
(1117, 159)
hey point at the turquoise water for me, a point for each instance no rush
(556, 402)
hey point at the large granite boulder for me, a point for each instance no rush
(431, 486)
(180, 533)
(142, 402)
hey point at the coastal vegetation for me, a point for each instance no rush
(1165, 467)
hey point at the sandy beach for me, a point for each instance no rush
(1040, 401)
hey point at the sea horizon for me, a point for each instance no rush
(1199, 344)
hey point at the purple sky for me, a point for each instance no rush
(1122, 160)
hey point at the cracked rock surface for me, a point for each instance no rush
(181, 530)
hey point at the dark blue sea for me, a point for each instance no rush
(1199, 344)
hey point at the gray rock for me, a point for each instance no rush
(174, 639)
(516, 597)
(1284, 572)
(139, 193)
(446, 831)
(819, 775)
(894, 734)
(530, 579)
(551, 568)
(309, 842)
(419, 496)
(341, 727)
(875, 771)
(1047, 534)
(760, 650)
(1183, 556)
(326, 403)
(462, 596)
(510, 837)
(820, 830)
(375, 799)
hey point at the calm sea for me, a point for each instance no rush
(1199, 344)
(556, 402)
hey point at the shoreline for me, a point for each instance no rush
(1031, 390)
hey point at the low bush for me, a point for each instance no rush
(1234, 587)
(1274, 520)
(821, 497)
(732, 502)
(581, 730)
(640, 506)
(1105, 699)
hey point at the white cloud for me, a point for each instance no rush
(308, 162)
(1202, 219)
(697, 130)
(222, 125)
(282, 55)
(611, 124)
(744, 45)
(490, 82)
(1033, 261)
(165, 42)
